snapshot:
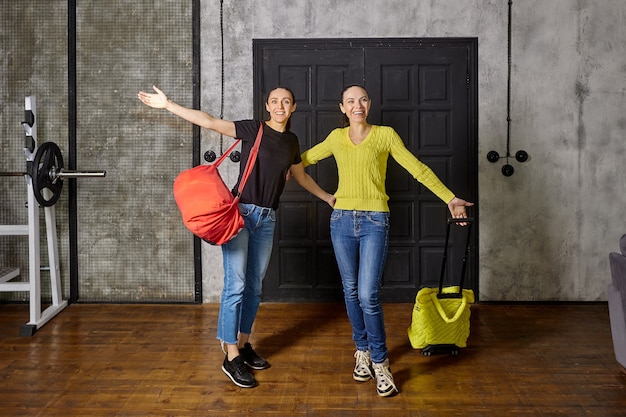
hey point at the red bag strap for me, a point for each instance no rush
(251, 160)
(225, 154)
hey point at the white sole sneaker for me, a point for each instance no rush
(363, 368)
(384, 380)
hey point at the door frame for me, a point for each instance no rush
(470, 43)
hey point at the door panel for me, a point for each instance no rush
(425, 91)
(422, 92)
(303, 263)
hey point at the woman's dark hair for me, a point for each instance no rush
(293, 100)
(344, 117)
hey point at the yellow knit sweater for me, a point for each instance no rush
(362, 168)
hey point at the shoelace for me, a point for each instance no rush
(362, 358)
(362, 364)
(240, 367)
(383, 376)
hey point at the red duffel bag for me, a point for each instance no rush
(208, 207)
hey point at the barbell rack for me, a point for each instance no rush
(44, 180)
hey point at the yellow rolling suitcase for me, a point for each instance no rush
(440, 322)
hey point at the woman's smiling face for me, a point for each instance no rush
(280, 105)
(355, 104)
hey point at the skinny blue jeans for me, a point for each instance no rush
(246, 258)
(360, 240)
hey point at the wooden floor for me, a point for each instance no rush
(164, 360)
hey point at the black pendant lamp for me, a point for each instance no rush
(520, 156)
(210, 155)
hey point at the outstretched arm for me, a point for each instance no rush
(159, 100)
(309, 184)
(426, 176)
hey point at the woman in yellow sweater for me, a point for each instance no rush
(359, 223)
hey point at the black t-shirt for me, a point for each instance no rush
(277, 152)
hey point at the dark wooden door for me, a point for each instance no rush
(426, 90)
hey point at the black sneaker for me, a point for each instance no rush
(238, 373)
(251, 359)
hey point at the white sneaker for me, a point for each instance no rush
(362, 370)
(384, 380)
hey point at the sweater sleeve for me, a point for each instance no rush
(316, 153)
(420, 171)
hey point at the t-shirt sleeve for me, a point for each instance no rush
(297, 158)
(246, 129)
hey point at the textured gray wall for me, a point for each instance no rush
(545, 232)
(33, 61)
(131, 243)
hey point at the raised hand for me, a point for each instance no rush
(156, 100)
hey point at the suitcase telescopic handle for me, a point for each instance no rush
(451, 221)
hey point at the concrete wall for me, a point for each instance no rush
(545, 232)
(131, 246)
(32, 62)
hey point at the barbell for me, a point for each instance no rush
(47, 172)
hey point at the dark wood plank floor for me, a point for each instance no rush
(164, 360)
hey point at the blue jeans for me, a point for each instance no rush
(360, 241)
(245, 258)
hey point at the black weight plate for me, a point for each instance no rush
(47, 159)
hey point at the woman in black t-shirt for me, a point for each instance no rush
(247, 255)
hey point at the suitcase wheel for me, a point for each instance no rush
(452, 350)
